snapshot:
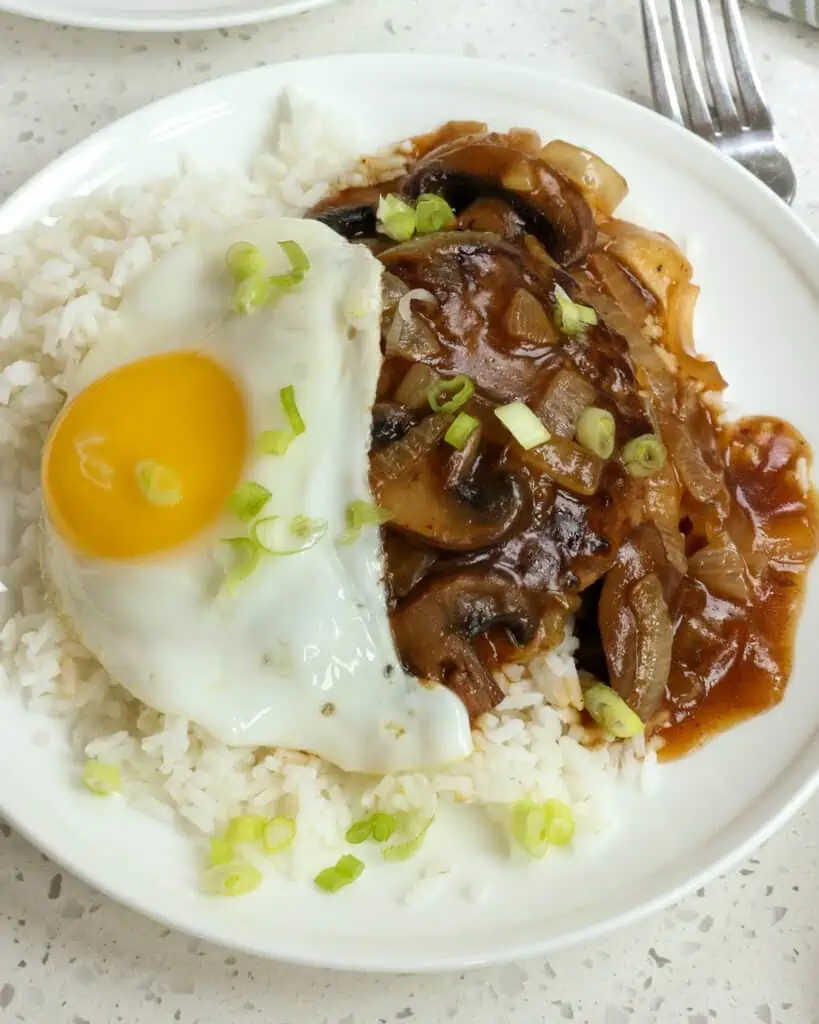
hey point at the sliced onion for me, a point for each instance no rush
(528, 321)
(520, 177)
(790, 540)
(722, 569)
(567, 463)
(405, 302)
(392, 288)
(652, 256)
(395, 459)
(602, 186)
(662, 507)
(414, 388)
(745, 539)
(565, 397)
(653, 374)
(633, 300)
(655, 636)
(524, 139)
(688, 436)
(461, 462)
(408, 336)
(680, 338)
(703, 482)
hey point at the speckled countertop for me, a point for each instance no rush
(741, 951)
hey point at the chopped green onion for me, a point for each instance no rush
(405, 850)
(159, 484)
(278, 834)
(359, 514)
(611, 712)
(246, 828)
(523, 425)
(276, 535)
(244, 260)
(595, 430)
(644, 455)
(530, 827)
(330, 880)
(248, 500)
(287, 396)
(299, 262)
(460, 387)
(359, 831)
(432, 213)
(383, 825)
(588, 315)
(250, 294)
(462, 428)
(350, 867)
(221, 851)
(345, 871)
(559, 822)
(281, 284)
(100, 778)
(274, 442)
(570, 316)
(364, 513)
(232, 879)
(244, 556)
(396, 219)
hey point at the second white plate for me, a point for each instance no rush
(158, 15)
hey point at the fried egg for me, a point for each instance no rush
(298, 653)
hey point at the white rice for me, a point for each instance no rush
(60, 283)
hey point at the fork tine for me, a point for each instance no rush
(727, 115)
(750, 90)
(699, 115)
(662, 82)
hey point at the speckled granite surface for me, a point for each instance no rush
(743, 950)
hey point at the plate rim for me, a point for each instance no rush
(52, 12)
(353, 960)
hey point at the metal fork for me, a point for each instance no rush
(742, 129)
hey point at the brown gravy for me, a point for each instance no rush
(730, 660)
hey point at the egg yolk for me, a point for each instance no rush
(145, 457)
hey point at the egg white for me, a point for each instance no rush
(301, 654)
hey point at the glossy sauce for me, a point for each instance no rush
(738, 661)
(730, 661)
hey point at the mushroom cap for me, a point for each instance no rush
(435, 627)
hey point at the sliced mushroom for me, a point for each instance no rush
(552, 208)
(473, 275)
(356, 221)
(409, 478)
(435, 628)
(407, 563)
(391, 420)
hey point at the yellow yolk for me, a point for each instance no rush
(181, 415)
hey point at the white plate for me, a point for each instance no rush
(158, 15)
(759, 269)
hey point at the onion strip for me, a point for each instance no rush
(402, 320)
